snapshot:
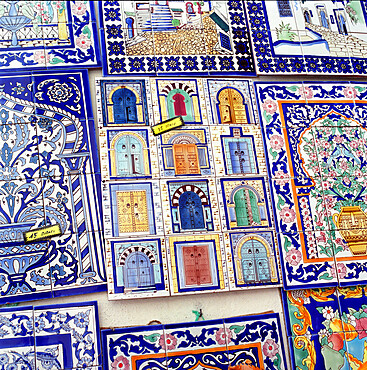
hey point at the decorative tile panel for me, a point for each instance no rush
(253, 342)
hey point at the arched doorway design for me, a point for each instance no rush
(124, 106)
(240, 157)
(191, 211)
(342, 23)
(129, 158)
(231, 106)
(130, 27)
(307, 16)
(246, 208)
(323, 18)
(179, 104)
(255, 262)
(138, 271)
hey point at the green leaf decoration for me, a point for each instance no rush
(359, 88)
(27, 11)
(86, 31)
(281, 202)
(319, 309)
(56, 60)
(293, 88)
(273, 153)
(267, 117)
(152, 337)
(287, 243)
(326, 276)
(237, 328)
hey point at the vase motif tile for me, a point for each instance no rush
(48, 34)
(184, 210)
(254, 342)
(50, 337)
(307, 37)
(325, 327)
(49, 175)
(203, 38)
(315, 143)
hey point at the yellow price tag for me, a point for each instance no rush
(168, 125)
(42, 233)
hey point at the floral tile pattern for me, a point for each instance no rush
(307, 37)
(326, 327)
(48, 34)
(49, 175)
(50, 337)
(203, 38)
(253, 341)
(315, 139)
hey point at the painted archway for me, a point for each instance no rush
(191, 211)
(231, 107)
(246, 208)
(138, 271)
(124, 106)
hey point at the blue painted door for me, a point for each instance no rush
(138, 271)
(255, 262)
(191, 211)
(129, 156)
(130, 29)
(124, 106)
(324, 20)
(240, 159)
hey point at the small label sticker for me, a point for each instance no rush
(168, 125)
(42, 233)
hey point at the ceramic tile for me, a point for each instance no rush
(216, 343)
(192, 38)
(50, 175)
(17, 336)
(51, 35)
(191, 205)
(252, 259)
(67, 336)
(197, 264)
(327, 188)
(307, 38)
(186, 152)
(137, 268)
(259, 351)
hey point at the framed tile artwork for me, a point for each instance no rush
(325, 327)
(167, 38)
(308, 37)
(315, 144)
(50, 337)
(48, 34)
(254, 342)
(201, 188)
(49, 175)
(137, 268)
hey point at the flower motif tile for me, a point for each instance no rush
(50, 337)
(314, 139)
(50, 175)
(326, 327)
(199, 38)
(44, 34)
(252, 341)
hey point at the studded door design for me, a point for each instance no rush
(186, 159)
(124, 106)
(138, 271)
(231, 107)
(246, 208)
(255, 263)
(197, 265)
(240, 157)
(132, 211)
(191, 211)
(129, 156)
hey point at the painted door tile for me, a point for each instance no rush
(48, 35)
(197, 265)
(137, 268)
(167, 38)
